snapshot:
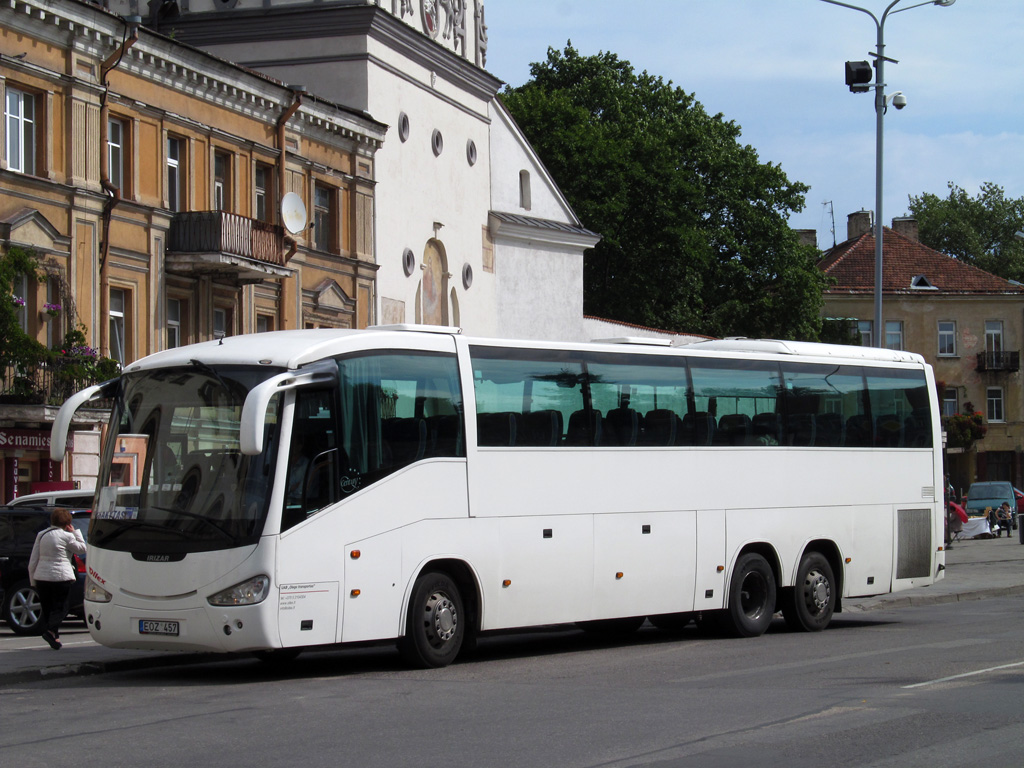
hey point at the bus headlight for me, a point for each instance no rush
(250, 592)
(94, 592)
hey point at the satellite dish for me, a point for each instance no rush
(293, 213)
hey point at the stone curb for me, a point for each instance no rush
(903, 601)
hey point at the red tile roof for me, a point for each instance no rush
(904, 262)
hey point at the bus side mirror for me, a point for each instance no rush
(62, 424)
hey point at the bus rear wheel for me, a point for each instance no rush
(812, 601)
(435, 625)
(751, 597)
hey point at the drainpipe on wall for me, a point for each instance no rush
(113, 193)
(282, 170)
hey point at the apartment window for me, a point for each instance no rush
(264, 323)
(323, 217)
(993, 335)
(994, 397)
(864, 331)
(21, 131)
(264, 188)
(221, 181)
(950, 402)
(223, 322)
(118, 326)
(175, 156)
(116, 152)
(947, 338)
(173, 323)
(893, 334)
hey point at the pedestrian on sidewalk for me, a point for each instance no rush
(51, 573)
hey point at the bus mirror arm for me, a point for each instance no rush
(62, 424)
(254, 411)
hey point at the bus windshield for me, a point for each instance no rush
(173, 479)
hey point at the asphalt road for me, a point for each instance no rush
(935, 685)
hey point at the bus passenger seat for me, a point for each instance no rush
(829, 429)
(541, 428)
(660, 427)
(584, 432)
(621, 427)
(734, 429)
(495, 429)
(800, 429)
(698, 428)
(859, 431)
(767, 428)
(406, 438)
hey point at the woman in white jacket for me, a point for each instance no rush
(51, 573)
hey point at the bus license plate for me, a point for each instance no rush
(158, 627)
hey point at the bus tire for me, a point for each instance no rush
(435, 625)
(811, 602)
(751, 597)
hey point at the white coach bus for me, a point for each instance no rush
(316, 487)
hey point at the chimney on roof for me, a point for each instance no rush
(807, 236)
(906, 226)
(857, 224)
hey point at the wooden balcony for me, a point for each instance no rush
(226, 246)
(1005, 362)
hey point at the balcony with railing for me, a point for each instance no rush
(51, 381)
(226, 246)
(1005, 362)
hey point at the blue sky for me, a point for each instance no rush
(775, 67)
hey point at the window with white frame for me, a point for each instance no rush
(950, 402)
(173, 323)
(223, 321)
(116, 152)
(263, 186)
(993, 335)
(947, 338)
(994, 398)
(864, 331)
(118, 326)
(175, 156)
(323, 217)
(221, 181)
(894, 334)
(20, 119)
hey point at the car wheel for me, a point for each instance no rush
(22, 609)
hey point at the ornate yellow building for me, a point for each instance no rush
(148, 176)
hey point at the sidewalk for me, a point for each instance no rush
(975, 569)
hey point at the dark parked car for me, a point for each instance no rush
(20, 607)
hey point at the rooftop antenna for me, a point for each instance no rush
(832, 213)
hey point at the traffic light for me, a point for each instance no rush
(858, 76)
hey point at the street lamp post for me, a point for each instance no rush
(881, 102)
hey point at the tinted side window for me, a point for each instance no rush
(396, 409)
(734, 402)
(530, 398)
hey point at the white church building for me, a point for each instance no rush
(470, 229)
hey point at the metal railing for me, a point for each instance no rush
(45, 382)
(999, 361)
(206, 231)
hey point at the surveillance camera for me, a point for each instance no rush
(899, 100)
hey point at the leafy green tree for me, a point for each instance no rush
(977, 230)
(15, 345)
(693, 225)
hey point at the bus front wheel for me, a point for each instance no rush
(435, 625)
(751, 597)
(812, 600)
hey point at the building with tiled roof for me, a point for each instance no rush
(967, 323)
